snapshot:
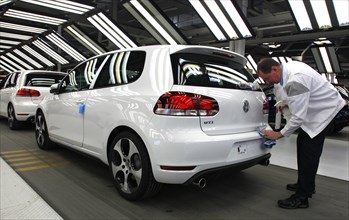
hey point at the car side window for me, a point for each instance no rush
(120, 68)
(80, 78)
(12, 81)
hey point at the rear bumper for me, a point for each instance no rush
(230, 168)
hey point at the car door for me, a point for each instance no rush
(65, 110)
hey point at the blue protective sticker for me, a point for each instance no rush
(82, 108)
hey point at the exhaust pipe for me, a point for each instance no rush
(201, 183)
(264, 162)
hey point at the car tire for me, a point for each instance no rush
(13, 123)
(130, 167)
(41, 134)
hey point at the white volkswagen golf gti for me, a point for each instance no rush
(21, 91)
(158, 114)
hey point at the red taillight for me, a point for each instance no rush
(186, 104)
(28, 93)
(265, 106)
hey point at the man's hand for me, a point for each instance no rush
(272, 135)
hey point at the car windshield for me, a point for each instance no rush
(209, 71)
(42, 80)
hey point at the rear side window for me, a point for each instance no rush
(42, 79)
(209, 71)
(120, 68)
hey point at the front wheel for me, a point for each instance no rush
(131, 168)
(41, 134)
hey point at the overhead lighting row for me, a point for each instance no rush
(13, 64)
(38, 55)
(111, 31)
(15, 36)
(27, 58)
(317, 14)
(84, 39)
(19, 27)
(223, 27)
(155, 22)
(54, 38)
(326, 59)
(45, 48)
(63, 5)
(34, 17)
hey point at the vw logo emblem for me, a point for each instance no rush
(246, 106)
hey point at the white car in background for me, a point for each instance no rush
(21, 91)
(158, 114)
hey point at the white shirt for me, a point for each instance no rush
(312, 100)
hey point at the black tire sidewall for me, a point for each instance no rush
(146, 166)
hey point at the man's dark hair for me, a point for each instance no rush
(266, 64)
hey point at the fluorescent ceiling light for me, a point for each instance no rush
(4, 2)
(321, 13)
(5, 47)
(300, 12)
(63, 5)
(208, 19)
(317, 14)
(11, 42)
(155, 22)
(37, 55)
(342, 12)
(27, 58)
(46, 48)
(84, 40)
(16, 66)
(326, 59)
(13, 57)
(34, 17)
(19, 27)
(252, 62)
(111, 31)
(6, 69)
(54, 38)
(8, 66)
(223, 27)
(15, 36)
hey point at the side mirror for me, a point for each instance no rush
(54, 88)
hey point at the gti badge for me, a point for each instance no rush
(246, 106)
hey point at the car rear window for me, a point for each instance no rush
(42, 79)
(209, 71)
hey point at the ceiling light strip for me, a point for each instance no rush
(68, 6)
(11, 42)
(15, 36)
(113, 33)
(17, 67)
(19, 27)
(321, 13)
(5, 47)
(236, 17)
(66, 47)
(217, 12)
(155, 24)
(300, 12)
(41, 45)
(8, 66)
(13, 57)
(84, 40)
(326, 60)
(38, 56)
(34, 17)
(24, 56)
(6, 69)
(207, 19)
(342, 12)
(118, 31)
